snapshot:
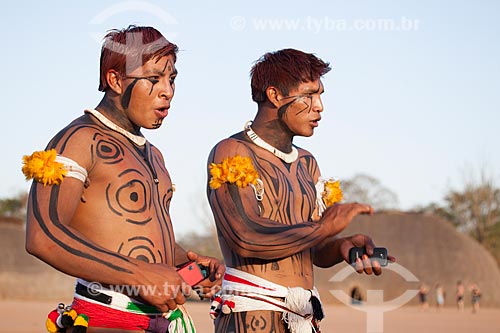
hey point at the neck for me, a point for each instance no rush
(273, 132)
(287, 157)
(137, 139)
(109, 108)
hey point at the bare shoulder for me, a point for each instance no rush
(306, 156)
(232, 146)
(86, 140)
(308, 160)
(157, 153)
(81, 128)
(73, 140)
(304, 153)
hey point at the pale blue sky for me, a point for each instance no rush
(410, 105)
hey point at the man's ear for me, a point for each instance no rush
(114, 80)
(272, 94)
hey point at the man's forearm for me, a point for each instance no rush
(328, 254)
(70, 256)
(180, 256)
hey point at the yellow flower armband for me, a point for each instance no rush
(48, 168)
(234, 170)
(328, 192)
(332, 192)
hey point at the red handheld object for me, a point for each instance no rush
(192, 273)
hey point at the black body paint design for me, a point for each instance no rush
(127, 95)
(157, 123)
(131, 195)
(290, 205)
(308, 104)
(282, 109)
(108, 149)
(252, 321)
(129, 198)
(257, 324)
(141, 248)
(298, 98)
(55, 221)
(152, 78)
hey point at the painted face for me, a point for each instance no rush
(148, 92)
(301, 109)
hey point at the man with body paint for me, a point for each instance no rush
(107, 221)
(273, 219)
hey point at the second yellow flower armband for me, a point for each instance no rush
(236, 170)
(328, 192)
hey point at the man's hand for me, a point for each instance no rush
(363, 264)
(212, 284)
(337, 217)
(162, 286)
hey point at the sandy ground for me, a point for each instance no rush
(29, 317)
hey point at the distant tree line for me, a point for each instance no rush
(474, 209)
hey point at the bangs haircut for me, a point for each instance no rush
(285, 69)
(128, 49)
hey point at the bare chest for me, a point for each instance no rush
(289, 192)
(125, 206)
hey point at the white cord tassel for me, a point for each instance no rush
(298, 301)
(258, 189)
(320, 188)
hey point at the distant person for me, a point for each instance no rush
(460, 293)
(356, 297)
(98, 207)
(475, 297)
(440, 296)
(423, 292)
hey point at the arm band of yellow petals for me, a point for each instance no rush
(328, 192)
(49, 168)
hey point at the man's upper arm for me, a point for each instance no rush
(238, 219)
(229, 149)
(54, 204)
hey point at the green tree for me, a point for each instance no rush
(474, 209)
(492, 241)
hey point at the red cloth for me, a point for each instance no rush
(103, 316)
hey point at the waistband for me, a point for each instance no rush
(242, 292)
(236, 281)
(95, 293)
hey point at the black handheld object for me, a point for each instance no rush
(379, 254)
(193, 273)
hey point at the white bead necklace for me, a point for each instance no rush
(286, 157)
(137, 139)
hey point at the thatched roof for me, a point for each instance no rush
(429, 248)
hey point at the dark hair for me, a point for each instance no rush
(285, 69)
(127, 49)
